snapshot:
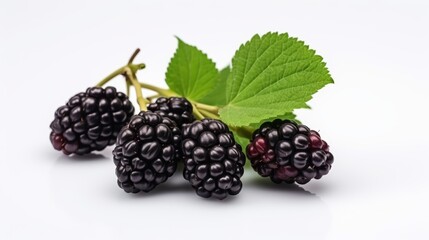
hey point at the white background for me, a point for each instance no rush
(375, 118)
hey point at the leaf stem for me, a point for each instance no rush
(208, 114)
(208, 108)
(161, 91)
(111, 76)
(133, 79)
(197, 113)
(131, 60)
(150, 98)
(128, 85)
(133, 67)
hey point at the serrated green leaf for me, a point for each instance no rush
(288, 116)
(190, 72)
(271, 75)
(217, 97)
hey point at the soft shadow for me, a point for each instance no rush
(168, 188)
(176, 184)
(320, 187)
(165, 188)
(91, 157)
(267, 184)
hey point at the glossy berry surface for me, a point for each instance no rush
(213, 161)
(289, 152)
(176, 108)
(90, 121)
(146, 152)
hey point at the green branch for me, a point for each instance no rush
(133, 79)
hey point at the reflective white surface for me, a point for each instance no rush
(375, 118)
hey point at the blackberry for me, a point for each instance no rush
(146, 152)
(288, 152)
(176, 108)
(213, 161)
(90, 120)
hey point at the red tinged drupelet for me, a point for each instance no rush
(289, 152)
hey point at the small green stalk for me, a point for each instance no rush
(208, 108)
(197, 113)
(152, 97)
(117, 72)
(129, 71)
(130, 75)
(207, 114)
(128, 86)
(161, 91)
(120, 71)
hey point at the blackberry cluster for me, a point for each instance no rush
(90, 120)
(288, 152)
(213, 161)
(146, 152)
(176, 108)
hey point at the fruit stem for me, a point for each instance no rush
(207, 113)
(128, 86)
(131, 60)
(133, 79)
(111, 76)
(150, 98)
(134, 68)
(161, 91)
(208, 108)
(197, 113)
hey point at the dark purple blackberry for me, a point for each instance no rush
(176, 108)
(146, 152)
(90, 120)
(288, 152)
(213, 161)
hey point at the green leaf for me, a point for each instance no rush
(190, 72)
(217, 97)
(271, 75)
(288, 116)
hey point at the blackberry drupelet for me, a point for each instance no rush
(146, 152)
(90, 120)
(288, 152)
(176, 108)
(213, 160)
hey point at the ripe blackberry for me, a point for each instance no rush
(213, 161)
(288, 152)
(146, 152)
(176, 108)
(90, 120)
